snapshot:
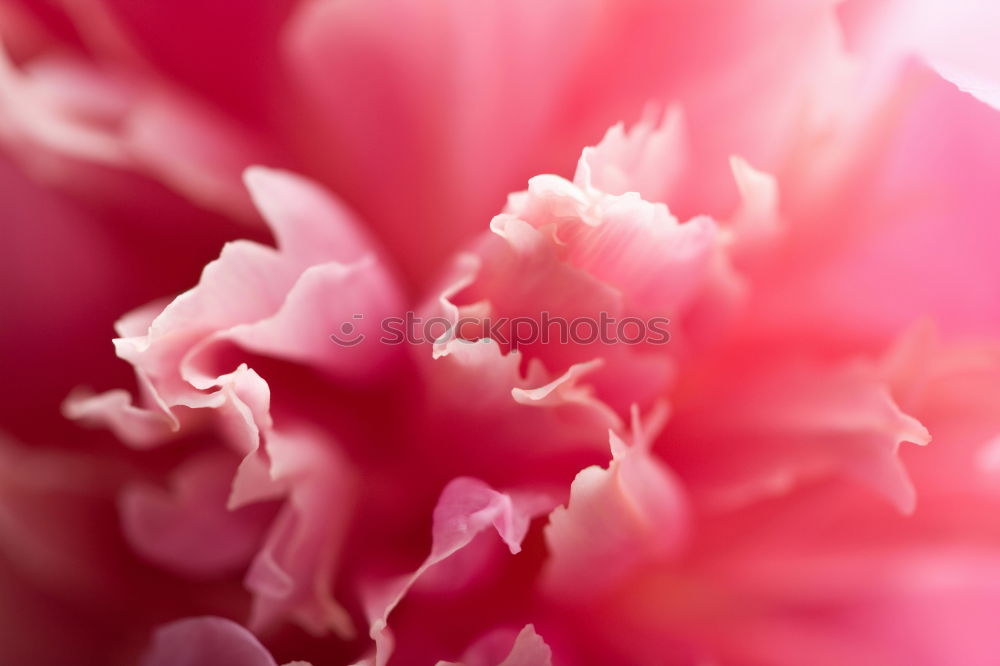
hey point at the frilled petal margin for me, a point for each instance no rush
(632, 513)
(466, 508)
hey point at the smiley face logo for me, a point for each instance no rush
(348, 335)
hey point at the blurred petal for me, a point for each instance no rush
(206, 641)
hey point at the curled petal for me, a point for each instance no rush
(301, 328)
(504, 648)
(756, 225)
(188, 528)
(311, 226)
(270, 301)
(564, 391)
(529, 649)
(632, 513)
(292, 574)
(192, 149)
(115, 411)
(466, 508)
(646, 159)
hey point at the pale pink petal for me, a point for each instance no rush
(756, 225)
(529, 649)
(564, 390)
(206, 641)
(570, 253)
(115, 411)
(625, 242)
(187, 527)
(250, 281)
(630, 514)
(505, 648)
(545, 283)
(66, 116)
(466, 508)
(658, 264)
(476, 379)
(310, 224)
(292, 574)
(955, 37)
(300, 330)
(475, 384)
(273, 300)
(953, 387)
(241, 404)
(78, 121)
(192, 149)
(646, 159)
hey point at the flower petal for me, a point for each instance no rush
(466, 508)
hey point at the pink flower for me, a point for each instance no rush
(763, 432)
